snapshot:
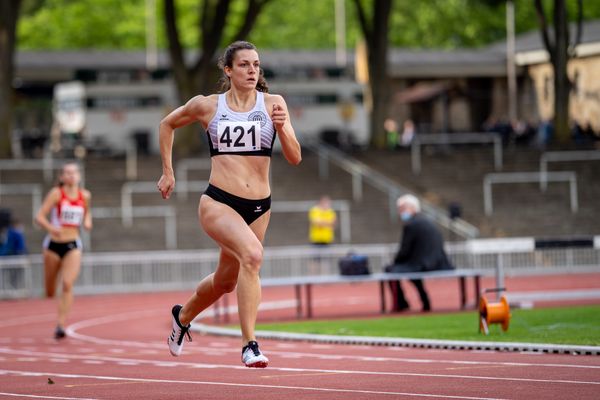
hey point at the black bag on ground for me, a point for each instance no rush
(354, 264)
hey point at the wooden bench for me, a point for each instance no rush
(308, 281)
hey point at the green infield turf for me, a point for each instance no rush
(565, 325)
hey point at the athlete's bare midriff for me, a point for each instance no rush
(243, 176)
(67, 234)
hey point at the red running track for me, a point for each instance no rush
(117, 350)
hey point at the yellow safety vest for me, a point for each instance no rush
(321, 225)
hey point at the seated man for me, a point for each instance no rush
(421, 249)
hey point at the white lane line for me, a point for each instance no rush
(33, 396)
(72, 332)
(128, 363)
(321, 346)
(27, 320)
(101, 359)
(247, 387)
(149, 352)
(219, 344)
(286, 345)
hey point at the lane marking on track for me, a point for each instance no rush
(296, 355)
(72, 331)
(31, 319)
(33, 396)
(300, 375)
(94, 360)
(100, 384)
(247, 387)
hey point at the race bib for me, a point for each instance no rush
(71, 215)
(238, 136)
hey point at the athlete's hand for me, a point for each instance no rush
(55, 232)
(279, 117)
(165, 185)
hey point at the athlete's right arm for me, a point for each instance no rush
(41, 218)
(198, 108)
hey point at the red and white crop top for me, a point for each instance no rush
(243, 133)
(69, 212)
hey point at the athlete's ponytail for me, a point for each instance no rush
(226, 60)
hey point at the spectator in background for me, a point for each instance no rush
(408, 133)
(12, 241)
(391, 133)
(545, 133)
(421, 249)
(322, 219)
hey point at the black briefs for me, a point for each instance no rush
(249, 210)
(63, 248)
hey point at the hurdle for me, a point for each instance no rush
(167, 212)
(556, 156)
(453, 138)
(129, 188)
(528, 177)
(183, 167)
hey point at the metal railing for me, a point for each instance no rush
(341, 206)
(32, 189)
(453, 138)
(167, 212)
(46, 165)
(181, 270)
(181, 174)
(130, 188)
(361, 172)
(556, 156)
(528, 177)
(131, 161)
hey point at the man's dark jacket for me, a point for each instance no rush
(422, 246)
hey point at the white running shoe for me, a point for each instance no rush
(175, 341)
(252, 356)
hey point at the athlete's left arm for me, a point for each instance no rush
(289, 143)
(87, 220)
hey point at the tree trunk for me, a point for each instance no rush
(562, 84)
(379, 66)
(376, 35)
(9, 12)
(559, 57)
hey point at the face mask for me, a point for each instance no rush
(405, 216)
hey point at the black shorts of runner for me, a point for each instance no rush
(249, 210)
(61, 249)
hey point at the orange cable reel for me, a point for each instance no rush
(493, 313)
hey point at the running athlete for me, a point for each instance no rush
(241, 124)
(69, 209)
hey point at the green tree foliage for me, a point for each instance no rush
(64, 24)
(308, 24)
